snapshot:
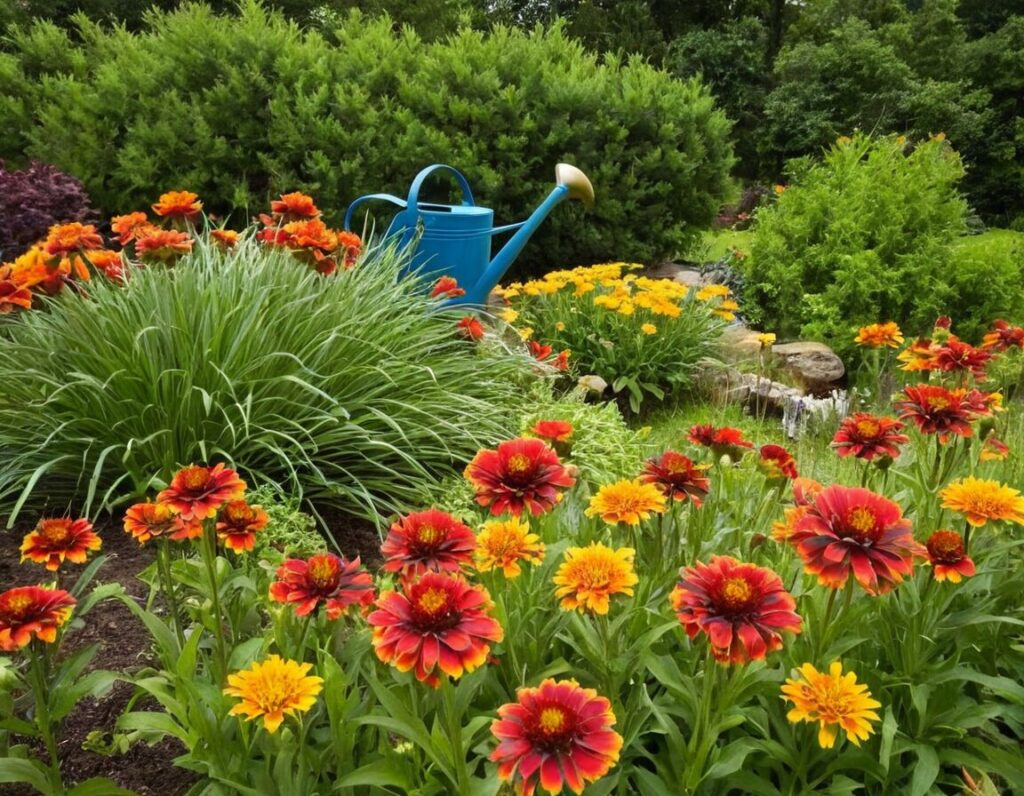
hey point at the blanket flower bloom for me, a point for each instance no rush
(956, 356)
(726, 441)
(555, 735)
(791, 515)
(13, 293)
(178, 205)
(854, 531)
(64, 239)
(273, 688)
(163, 245)
(805, 490)
(918, 356)
(590, 576)
(197, 492)
(446, 287)
(936, 410)
(225, 238)
(27, 611)
(238, 525)
(131, 226)
(57, 539)
(948, 557)
(626, 501)
(879, 335)
(553, 430)
(777, 462)
(430, 540)
(505, 544)
(440, 624)
(678, 477)
(742, 608)
(470, 328)
(294, 206)
(350, 246)
(523, 473)
(1003, 336)
(145, 521)
(834, 700)
(981, 501)
(327, 578)
(867, 436)
(993, 450)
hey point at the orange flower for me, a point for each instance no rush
(57, 539)
(1003, 336)
(446, 287)
(162, 245)
(109, 264)
(948, 557)
(918, 356)
(225, 238)
(65, 239)
(273, 689)
(590, 576)
(441, 624)
(553, 430)
(337, 582)
(626, 501)
(470, 328)
(351, 245)
(561, 360)
(197, 492)
(183, 205)
(504, 544)
(777, 462)
(131, 226)
(521, 474)
(981, 501)
(294, 207)
(238, 525)
(877, 335)
(539, 351)
(556, 735)
(11, 294)
(430, 540)
(805, 490)
(32, 610)
(145, 521)
(781, 531)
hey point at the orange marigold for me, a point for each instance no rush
(981, 501)
(175, 205)
(505, 544)
(590, 576)
(64, 239)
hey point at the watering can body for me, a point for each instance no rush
(455, 240)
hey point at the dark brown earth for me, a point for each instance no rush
(125, 647)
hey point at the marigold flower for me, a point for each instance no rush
(590, 576)
(238, 525)
(918, 356)
(508, 315)
(325, 577)
(948, 557)
(791, 515)
(555, 735)
(183, 205)
(777, 462)
(109, 263)
(937, 410)
(627, 501)
(766, 339)
(441, 624)
(522, 473)
(835, 700)
(471, 328)
(539, 351)
(879, 335)
(678, 477)
(993, 450)
(447, 287)
(866, 436)
(351, 246)
(430, 540)
(225, 238)
(956, 356)
(649, 328)
(294, 206)
(854, 531)
(13, 295)
(64, 239)
(1003, 336)
(740, 607)
(27, 611)
(197, 492)
(272, 689)
(553, 430)
(131, 226)
(58, 539)
(145, 521)
(981, 501)
(505, 544)
(805, 490)
(163, 245)
(726, 441)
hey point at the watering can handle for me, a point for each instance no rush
(414, 189)
(384, 196)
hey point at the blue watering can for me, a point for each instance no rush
(455, 240)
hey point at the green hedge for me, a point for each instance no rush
(237, 108)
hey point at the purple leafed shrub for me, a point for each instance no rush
(32, 200)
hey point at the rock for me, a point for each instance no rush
(740, 343)
(684, 273)
(731, 386)
(813, 366)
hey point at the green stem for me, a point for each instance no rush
(210, 559)
(455, 737)
(820, 641)
(700, 742)
(167, 583)
(300, 654)
(39, 673)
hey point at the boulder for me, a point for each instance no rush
(739, 343)
(812, 366)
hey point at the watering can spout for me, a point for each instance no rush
(571, 183)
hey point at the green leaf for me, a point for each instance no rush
(926, 770)
(26, 771)
(99, 786)
(384, 773)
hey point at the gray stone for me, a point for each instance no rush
(813, 366)
(739, 343)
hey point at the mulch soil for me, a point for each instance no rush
(125, 647)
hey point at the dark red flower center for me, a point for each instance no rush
(16, 606)
(432, 610)
(55, 532)
(323, 572)
(945, 547)
(868, 428)
(551, 728)
(736, 596)
(195, 479)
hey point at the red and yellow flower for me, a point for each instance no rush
(65, 239)
(556, 735)
(470, 328)
(439, 625)
(27, 611)
(948, 556)
(918, 356)
(109, 263)
(57, 539)
(523, 473)
(776, 462)
(741, 608)
(145, 521)
(238, 525)
(131, 226)
(879, 335)
(225, 238)
(197, 492)
(981, 501)
(561, 360)
(834, 700)
(956, 356)
(350, 246)
(626, 501)
(867, 436)
(993, 450)
(12, 294)
(937, 410)
(505, 544)
(162, 245)
(178, 205)
(327, 578)
(446, 287)
(430, 540)
(805, 490)
(854, 531)
(294, 206)
(791, 515)
(553, 430)
(726, 441)
(678, 477)
(1003, 336)
(590, 576)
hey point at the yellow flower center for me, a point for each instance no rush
(17, 605)
(194, 478)
(736, 593)
(867, 428)
(552, 720)
(862, 519)
(321, 571)
(518, 463)
(429, 534)
(55, 531)
(938, 402)
(432, 601)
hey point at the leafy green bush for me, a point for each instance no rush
(344, 389)
(866, 234)
(277, 108)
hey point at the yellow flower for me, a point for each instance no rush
(626, 501)
(649, 328)
(559, 326)
(626, 308)
(766, 339)
(877, 335)
(709, 292)
(508, 315)
(980, 500)
(589, 576)
(835, 700)
(526, 332)
(273, 688)
(504, 543)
